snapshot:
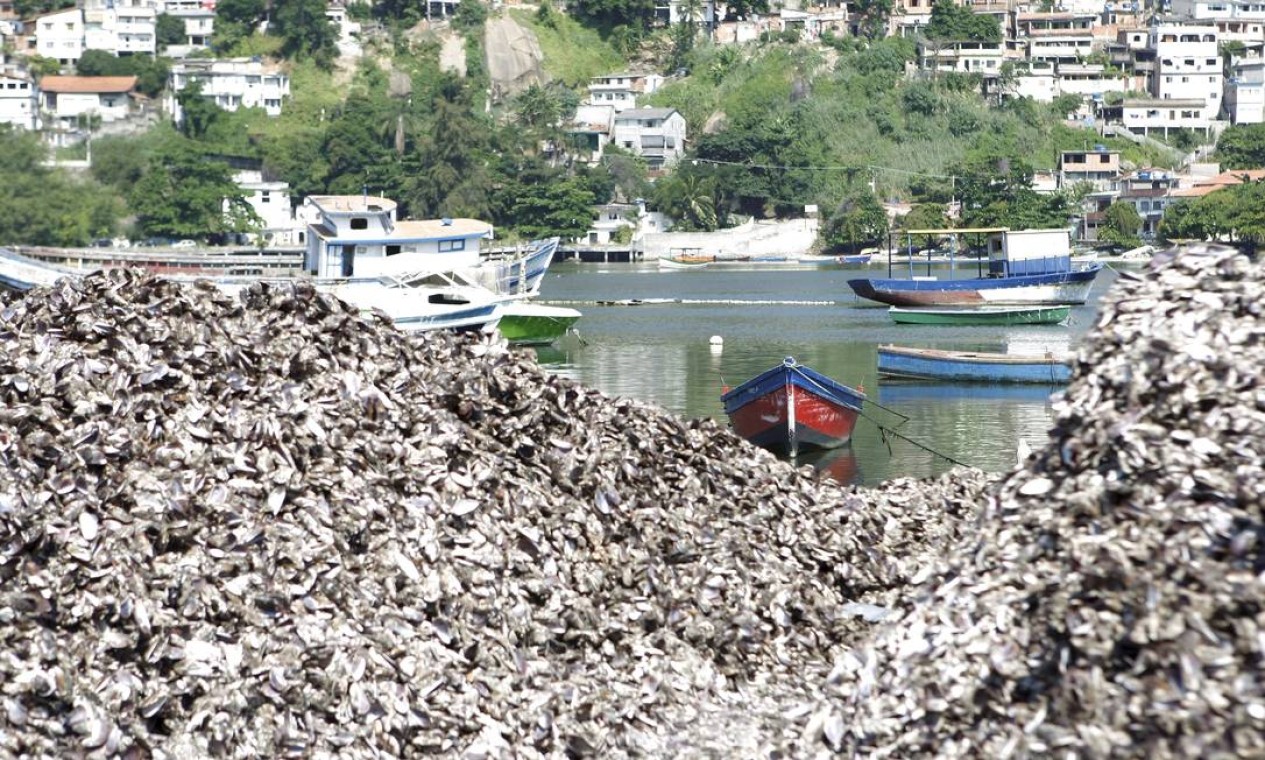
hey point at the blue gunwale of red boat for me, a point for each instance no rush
(825, 411)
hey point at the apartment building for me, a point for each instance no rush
(1188, 69)
(231, 83)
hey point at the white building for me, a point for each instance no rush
(271, 203)
(60, 36)
(1245, 92)
(1219, 10)
(620, 91)
(1060, 45)
(969, 57)
(655, 134)
(359, 234)
(67, 101)
(120, 27)
(230, 83)
(1144, 116)
(1188, 67)
(19, 105)
(594, 125)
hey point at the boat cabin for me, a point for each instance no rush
(359, 236)
(1030, 252)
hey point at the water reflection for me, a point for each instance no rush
(839, 464)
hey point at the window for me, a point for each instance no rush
(1104, 159)
(1212, 61)
(452, 245)
(1189, 61)
(393, 250)
(359, 223)
(265, 197)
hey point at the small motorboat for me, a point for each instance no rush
(791, 406)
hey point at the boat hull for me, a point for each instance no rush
(969, 366)
(534, 324)
(1037, 315)
(790, 408)
(1039, 289)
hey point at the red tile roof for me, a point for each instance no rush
(87, 84)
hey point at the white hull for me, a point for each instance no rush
(1074, 292)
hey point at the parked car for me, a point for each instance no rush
(186, 243)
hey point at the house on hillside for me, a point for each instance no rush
(620, 90)
(19, 102)
(271, 203)
(60, 36)
(1100, 168)
(655, 134)
(1148, 190)
(68, 102)
(592, 126)
(1245, 92)
(230, 83)
(120, 27)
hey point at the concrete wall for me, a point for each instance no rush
(792, 237)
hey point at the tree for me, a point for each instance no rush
(305, 32)
(1242, 146)
(689, 198)
(858, 221)
(872, 17)
(198, 114)
(1120, 225)
(187, 194)
(45, 206)
(537, 107)
(151, 73)
(951, 22)
(470, 15)
(607, 15)
(169, 30)
(563, 208)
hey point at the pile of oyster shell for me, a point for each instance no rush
(273, 526)
(1112, 601)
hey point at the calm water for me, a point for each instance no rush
(660, 353)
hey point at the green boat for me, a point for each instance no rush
(532, 324)
(982, 315)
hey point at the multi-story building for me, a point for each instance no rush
(231, 84)
(120, 27)
(593, 124)
(60, 36)
(620, 91)
(1148, 190)
(271, 203)
(971, 57)
(655, 134)
(1059, 45)
(1245, 92)
(1188, 68)
(1151, 115)
(1100, 168)
(19, 105)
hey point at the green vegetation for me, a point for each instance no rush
(48, 206)
(573, 53)
(1242, 146)
(150, 72)
(951, 22)
(1236, 213)
(1120, 225)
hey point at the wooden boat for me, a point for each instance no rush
(674, 263)
(1032, 267)
(860, 258)
(982, 315)
(791, 406)
(972, 366)
(531, 324)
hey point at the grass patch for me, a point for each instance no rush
(573, 54)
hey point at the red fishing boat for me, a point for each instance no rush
(791, 407)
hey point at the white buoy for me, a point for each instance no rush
(717, 341)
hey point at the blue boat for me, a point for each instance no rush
(928, 393)
(1031, 267)
(971, 366)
